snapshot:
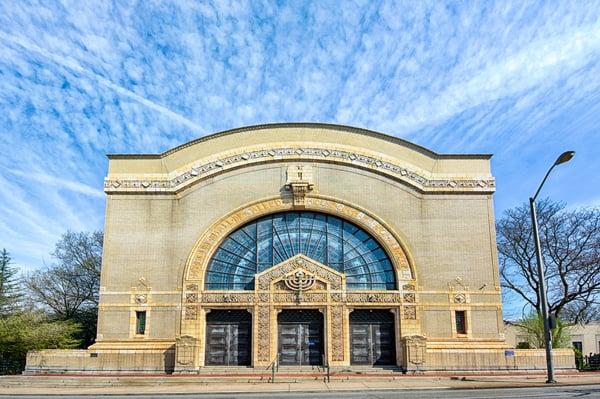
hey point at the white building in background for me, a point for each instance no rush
(585, 337)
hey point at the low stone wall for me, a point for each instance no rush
(155, 361)
(56, 361)
(494, 359)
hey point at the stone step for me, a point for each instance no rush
(106, 381)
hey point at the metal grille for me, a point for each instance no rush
(327, 239)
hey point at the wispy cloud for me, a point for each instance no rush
(81, 79)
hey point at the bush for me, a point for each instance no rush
(32, 330)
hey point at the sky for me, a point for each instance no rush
(81, 79)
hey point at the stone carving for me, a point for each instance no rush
(317, 297)
(460, 298)
(191, 297)
(373, 297)
(299, 182)
(263, 297)
(299, 281)
(185, 347)
(458, 291)
(408, 287)
(191, 312)
(264, 333)
(227, 298)
(337, 333)
(409, 312)
(336, 297)
(141, 298)
(201, 171)
(192, 287)
(457, 285)
(409, 297)
(277, 271)
(415, 351)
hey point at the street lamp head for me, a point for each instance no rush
(564, 157)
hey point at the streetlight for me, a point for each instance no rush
(564, 157)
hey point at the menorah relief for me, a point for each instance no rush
(299, 281)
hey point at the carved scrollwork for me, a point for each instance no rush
(227, 298)
(264, 333)
(409, 297)
(304, 266)
(374, 297)
(409, 312)
(209, 168)
(316, 297)
(191, 312)
(337, 333)
(191, 297)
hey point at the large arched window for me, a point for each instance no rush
(272, 239)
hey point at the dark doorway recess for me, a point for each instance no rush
(300, 337)
(372, 338)
(228, 338)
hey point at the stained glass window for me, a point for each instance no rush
(327, 239)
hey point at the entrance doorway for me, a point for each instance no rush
(228, 338)
(300, 334)
(372, 338)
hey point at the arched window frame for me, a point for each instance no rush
(347, 248)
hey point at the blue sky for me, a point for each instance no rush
(81, 79)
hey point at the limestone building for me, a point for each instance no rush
(302, 244)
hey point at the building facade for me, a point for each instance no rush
(583, 337)
(301, 244)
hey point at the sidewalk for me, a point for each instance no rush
(94, 385)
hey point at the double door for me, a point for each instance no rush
(228, 338)
(300, 337)
(372, 338)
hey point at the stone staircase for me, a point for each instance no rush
(207, 375)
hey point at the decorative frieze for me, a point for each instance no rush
(264, 333)
(191, 312)
(191, 297)
(370, 161)
(409, 297)
(302, 265)
(227, 298)
(307, 297)
(337, 333)
(373, 297)
(409, 312)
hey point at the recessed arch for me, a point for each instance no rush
(205, 248)
(276, 237)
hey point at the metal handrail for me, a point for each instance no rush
(274, 367)
(326, 367)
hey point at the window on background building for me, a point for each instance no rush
(578, 345)
(461, 321)
(140, 323)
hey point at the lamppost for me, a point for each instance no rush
(564, 157)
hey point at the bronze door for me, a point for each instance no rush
(372, 338)
(228, 338)
(300, 337)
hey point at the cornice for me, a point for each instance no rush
(370, 161)
(328, 126)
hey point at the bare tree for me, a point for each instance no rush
(69, 288)
(570, 241)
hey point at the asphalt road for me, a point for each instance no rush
(587, 391)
